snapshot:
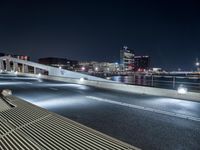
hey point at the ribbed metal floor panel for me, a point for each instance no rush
(28, 127)
(3, 105)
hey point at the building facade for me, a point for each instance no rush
(126, 59)
(22, 57)
(141, 63)
(59, 62)
(94, 66)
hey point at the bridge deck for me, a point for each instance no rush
(27, 126)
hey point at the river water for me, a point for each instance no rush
(169, 82)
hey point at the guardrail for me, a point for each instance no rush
(167, 82)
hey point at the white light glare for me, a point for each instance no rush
(16, 72)
(182, 90)
(197, 64)
(82, 79)
(39, 75)
(83, 68)
(6, 92)
(60, 67)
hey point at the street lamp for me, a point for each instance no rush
(96, 69)
(182, 90)
(197, 64)
(83, 68)
(81, 79)
(39, 75)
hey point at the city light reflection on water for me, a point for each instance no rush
(138, 80)
(169, 82)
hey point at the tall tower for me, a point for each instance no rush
(126, 59)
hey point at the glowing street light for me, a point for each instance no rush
(197, 64)
(96, 69)
(60, 67)
(81, 79)
(39, 75)
(182, 90)
(83, 68)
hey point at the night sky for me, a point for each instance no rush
(166, 30)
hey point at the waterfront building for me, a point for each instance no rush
(94, 66)
(126, 59)
(141, 63)
(63, 63)
(22, 57)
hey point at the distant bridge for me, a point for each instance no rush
(9, 64)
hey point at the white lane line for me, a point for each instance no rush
(14, 83)
(55, 89)
(28, 82)
(183, 116)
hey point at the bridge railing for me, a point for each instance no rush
(167, 82)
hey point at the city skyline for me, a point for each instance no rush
(136, 57)
(166, 31)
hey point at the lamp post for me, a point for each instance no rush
(197, 64)
(96, 69)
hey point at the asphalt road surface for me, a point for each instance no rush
(147, 122)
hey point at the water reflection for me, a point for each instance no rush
(169, 82)
(138, 80)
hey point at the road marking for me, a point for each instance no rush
(28, 82)
(146, 108)
(55, 89)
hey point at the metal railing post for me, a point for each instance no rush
(174, 81)
(134, 78)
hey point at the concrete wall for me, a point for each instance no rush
(126, 88)
(70, 74)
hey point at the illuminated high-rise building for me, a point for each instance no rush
(126, 59)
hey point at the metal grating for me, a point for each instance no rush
(28, 127)
(3, 105)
